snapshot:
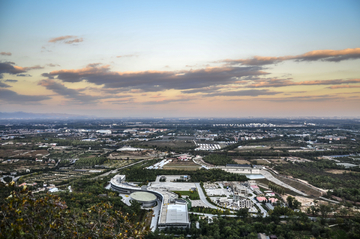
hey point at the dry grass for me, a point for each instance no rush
(299, 186)
(191, 168)
(278, 161)
(182, 165)
(261, 161)
(241, 161)
(338, 171)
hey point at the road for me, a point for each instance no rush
(271, 178)
(263, 211)
(212, 215)
(204, 200)
(116, 170)
(155, 219)
(203, 197)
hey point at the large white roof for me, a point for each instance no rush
(177, 213)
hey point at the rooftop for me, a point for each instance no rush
(177, 213)
(143, 196)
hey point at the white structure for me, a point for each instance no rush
(120, 178)
(177, 215)
(160, 164)
(240, 169)
(245, 203)
(101, 131)
(145, 198)
(128, 148)
(241, 190)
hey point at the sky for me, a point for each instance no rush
(181, 58)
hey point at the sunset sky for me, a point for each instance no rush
(181, 58)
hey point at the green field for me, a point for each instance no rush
(192, 195)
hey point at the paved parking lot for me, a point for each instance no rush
(173, 186)
(169, 178)
(217, 192)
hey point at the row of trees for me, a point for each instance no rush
(276, 188)
(146, 175)
(90, 161)
(218, 159)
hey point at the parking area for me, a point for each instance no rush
(170, 178)
(173, 186)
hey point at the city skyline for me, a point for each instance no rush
(202, 59)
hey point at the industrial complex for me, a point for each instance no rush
(172, 212)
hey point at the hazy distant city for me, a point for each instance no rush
(183, 176)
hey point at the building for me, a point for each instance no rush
(176, 216)
(100, 131)
(261, 199)
(240, 190)
(173, 213)
(240, 169)
(146, 199)
(245, 203)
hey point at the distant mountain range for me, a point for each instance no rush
(25, 115)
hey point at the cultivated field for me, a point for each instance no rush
(182, 165)
(169, 143)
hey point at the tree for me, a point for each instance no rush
(25, 216)
(290, 201)
(324, 210)
(243, 213)
(293, 203)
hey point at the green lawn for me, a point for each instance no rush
(192, 195)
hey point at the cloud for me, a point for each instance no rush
(9, 80)
(70, 39)
(74, 94)
(68, 93)
(12, 97)
(77, 40)
(210, 89)
(343, 86)
(317, 55)
(107, 91)
(56, 39)
(131, 55)
(310, 98)
(121, 102)
(37, 67)
(4, 85)
(288, 82)
(24, 75)
(52, 65)
(156, 80)
(165, 101)
(10, 68)
(253, 93)
(5, 53)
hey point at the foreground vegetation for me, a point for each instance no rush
(48, 216)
